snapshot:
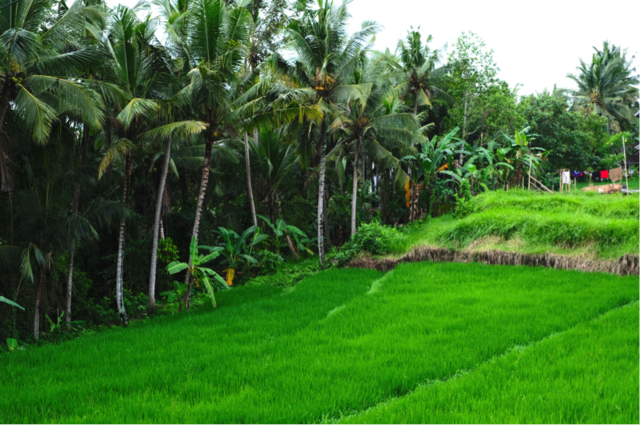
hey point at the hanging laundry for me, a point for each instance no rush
(604, 174)
(615, 175)
(595, 175)
(566, 177)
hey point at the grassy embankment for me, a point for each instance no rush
(590, 225)
(341, 342)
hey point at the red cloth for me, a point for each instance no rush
(604, 174)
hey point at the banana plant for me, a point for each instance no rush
(198, 273)
(176, 294)
(238, 249)
(282, 230)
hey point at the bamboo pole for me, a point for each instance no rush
(530, 163)
(541, 185)
(624, 149)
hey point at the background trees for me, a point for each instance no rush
(110, 134)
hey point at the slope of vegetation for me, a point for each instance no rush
(591, 225)
(338, 343)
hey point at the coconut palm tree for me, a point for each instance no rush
(35, 59)
(606, 86)
(415, 67)
(216, 43)
(325, 60)
(140, 67)
(378, 125)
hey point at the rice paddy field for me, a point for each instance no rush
(591, 225)
(426, 342)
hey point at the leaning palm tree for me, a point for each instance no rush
(606, 86)
(325, 60)
(139, 67)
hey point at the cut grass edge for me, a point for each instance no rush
(623, 266)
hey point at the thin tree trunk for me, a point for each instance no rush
(464, 126)
(156, 226)
(323, 163)
(119, 267)
(415, 103)
(383, 198)
(74, 211)
(354, 198)
(36, 314)
(5, 175)
(11, 217)
(196, 223)
(248, 166)
(161, 230)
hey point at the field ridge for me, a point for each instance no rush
(623, 266)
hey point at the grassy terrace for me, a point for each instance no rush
(344, 341)
(591, 225)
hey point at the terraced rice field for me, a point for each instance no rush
(424, 343)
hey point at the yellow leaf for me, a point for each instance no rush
(230, 274)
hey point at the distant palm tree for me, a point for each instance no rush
(416, 67)
(606, 86)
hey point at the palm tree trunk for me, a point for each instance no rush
(323, 163)
(67, 310)
(354, 197)
(36, 314)
(6, 183)
(156, 226)
(196, 224)
(248, 166)
(74, 211)
(11, 217)
(203, 188)
(119, 278)
(327, 231)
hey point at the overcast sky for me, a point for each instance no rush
(535, 43)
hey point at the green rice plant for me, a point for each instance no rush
(587, 374)
(319, 350)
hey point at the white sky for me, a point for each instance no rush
(535, 43)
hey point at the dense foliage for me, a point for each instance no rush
(260, 130)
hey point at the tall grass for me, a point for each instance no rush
(328, 346)
(588, 374)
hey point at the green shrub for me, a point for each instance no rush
(373, 238)
(269, 262)
(288, 274)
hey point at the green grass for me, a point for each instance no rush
(598, 226)
(588, 374)
(338, 343)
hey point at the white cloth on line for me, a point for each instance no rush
(566, 177)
